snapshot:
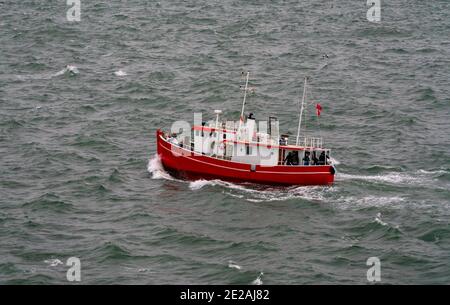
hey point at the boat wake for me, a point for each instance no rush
(257, 193)
(330, 194)
(392, 178)
(418, 178)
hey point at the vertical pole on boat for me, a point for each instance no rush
(243, 102)
(217, 112)
(301, 112)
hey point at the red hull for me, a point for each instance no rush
(191, 165)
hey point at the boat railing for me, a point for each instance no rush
(312, 142)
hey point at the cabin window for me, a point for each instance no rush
(248, 149)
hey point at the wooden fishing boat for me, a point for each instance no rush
(239, 152)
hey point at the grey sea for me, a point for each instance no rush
(80, 102)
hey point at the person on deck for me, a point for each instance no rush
(289, 159)
(173, 139)
(323, 158)
(295, 160)
(314, 159)
(306, 160)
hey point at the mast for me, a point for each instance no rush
(243, 102)
(301, 112)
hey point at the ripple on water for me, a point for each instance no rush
(49, 202)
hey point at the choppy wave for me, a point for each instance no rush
(71, 69)
(53, 262)
(68, 70)
(155, 167)
(378, 220)
(79, 135)
(120, 73)
(258, 280)
(233, 265)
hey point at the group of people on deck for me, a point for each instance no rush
(292, 158)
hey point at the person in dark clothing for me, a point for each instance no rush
(306, 159)
(291, 158)
(295, 160)
(314, 159)
(250, 116)
(322, 158)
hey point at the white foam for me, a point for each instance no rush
(313, 193)
(156, 168)
(120, 73)
(370, 201)
(435, 172)
(258, 280)
(378, 220)
(233, 265)
(334, 161)
(69, 68)
(392, 178)
(198, 184)
(53, 262)
(72, 68)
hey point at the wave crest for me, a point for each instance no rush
(156, 168)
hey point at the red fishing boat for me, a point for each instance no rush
(241, 152)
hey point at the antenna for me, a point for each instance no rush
(301, 112)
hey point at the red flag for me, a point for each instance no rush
(318, 109)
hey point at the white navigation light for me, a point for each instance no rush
(217, 111)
